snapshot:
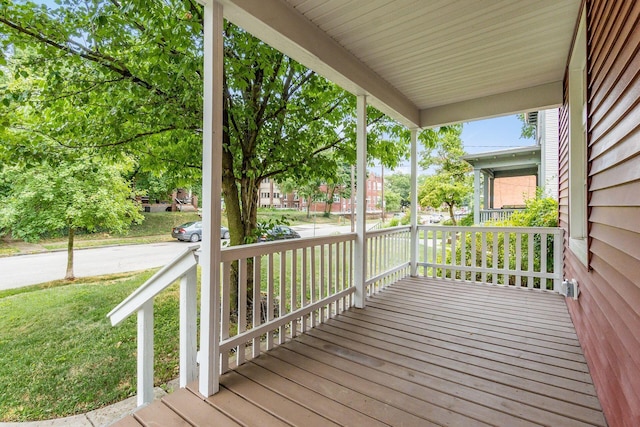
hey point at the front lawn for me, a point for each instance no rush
(59, 355)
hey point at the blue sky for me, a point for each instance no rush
(493, 134)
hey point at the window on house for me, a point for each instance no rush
(276, 195)
(336, 198)
(578, 144)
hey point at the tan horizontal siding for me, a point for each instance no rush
(626, 218)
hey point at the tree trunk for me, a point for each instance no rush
(69, 275)
(242, 214)
(328, 207)
(453, 218)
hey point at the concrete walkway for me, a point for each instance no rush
(97, 418)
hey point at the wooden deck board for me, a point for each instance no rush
(424, 352)
(159, 415)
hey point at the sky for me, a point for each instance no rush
(480, 136)
(493, 134)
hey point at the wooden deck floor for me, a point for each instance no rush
(422, 353)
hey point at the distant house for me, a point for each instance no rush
(506, 178)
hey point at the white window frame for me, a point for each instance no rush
(577, 103)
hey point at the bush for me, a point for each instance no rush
(539, 212)
(406, 219)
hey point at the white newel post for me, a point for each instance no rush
(414, 203)
(188, 331)
(212, 189)
(361, 201)
(145, 353)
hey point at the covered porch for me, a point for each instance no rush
(423, 352)
(478, 335)
(405, 326)
(492, 165)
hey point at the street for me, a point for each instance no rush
(24, 270)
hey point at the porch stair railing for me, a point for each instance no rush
(183, 268)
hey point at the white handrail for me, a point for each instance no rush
(183, 267)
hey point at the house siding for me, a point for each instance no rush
(607, 314)
(548, 127)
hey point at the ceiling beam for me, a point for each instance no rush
(284, 28)
(529, 99)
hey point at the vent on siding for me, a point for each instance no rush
(531, 118)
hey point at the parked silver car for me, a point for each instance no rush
(192, 232)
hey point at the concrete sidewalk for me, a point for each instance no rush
(97, 418)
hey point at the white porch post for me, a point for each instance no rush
(360, 253)
(212, 188)
(485, 192)
(414, 203)
(492, 181)
(476, 196)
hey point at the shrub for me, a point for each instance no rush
(539, 212)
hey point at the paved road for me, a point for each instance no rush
(24, 270)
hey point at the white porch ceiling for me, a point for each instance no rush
(425, 62)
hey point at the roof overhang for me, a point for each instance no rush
(520, 161)
(425, 63)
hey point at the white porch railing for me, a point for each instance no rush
(388, 257)
(297, 284)
(487, 215)
(518, 256)
(183, 268)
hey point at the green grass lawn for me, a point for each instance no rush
(59, 355)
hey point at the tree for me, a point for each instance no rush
(81, 194)
(129, 75)
(392, 201)
(127, 78)
(399, 184)
(527, 131)
(451, 184)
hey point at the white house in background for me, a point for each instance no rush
(547, 139)
(506, 178)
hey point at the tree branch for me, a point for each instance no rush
(85, 53)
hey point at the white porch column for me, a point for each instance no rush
(476, 196)
(485, 192)
(360, 254)
(492, 182)
(212, 189)
(414, 203)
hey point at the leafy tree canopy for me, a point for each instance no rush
(400, 185)
(451, 184)
(126, 77)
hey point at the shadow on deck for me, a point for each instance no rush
(423, 352)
